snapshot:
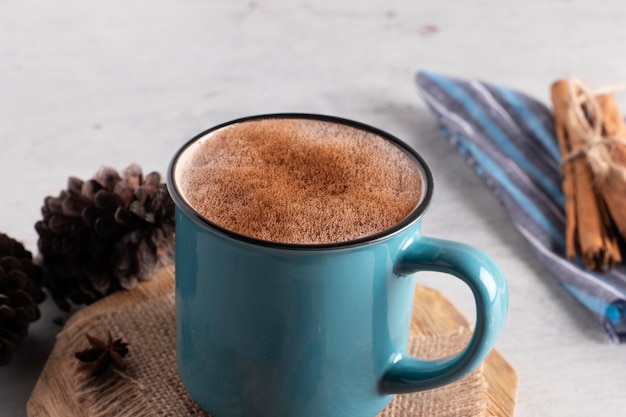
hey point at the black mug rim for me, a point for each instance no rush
(409, 220)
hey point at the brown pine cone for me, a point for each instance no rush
(20, 292)
(105, 234)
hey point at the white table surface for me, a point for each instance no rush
(84, 84)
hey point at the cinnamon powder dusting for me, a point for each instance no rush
(300, 181)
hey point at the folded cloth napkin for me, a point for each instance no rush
(509, 139)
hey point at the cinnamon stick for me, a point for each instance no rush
(587, 219)
(614, 191)
(560, 102)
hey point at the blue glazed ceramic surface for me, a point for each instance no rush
(267, 329)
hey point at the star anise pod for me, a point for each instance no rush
(104, 353)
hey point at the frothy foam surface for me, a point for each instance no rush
(300, 181)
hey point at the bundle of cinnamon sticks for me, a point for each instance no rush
(592, 140)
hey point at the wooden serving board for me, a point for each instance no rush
(54, 394)
(441, 317)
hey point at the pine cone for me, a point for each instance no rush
(105, 234)
(20, 292)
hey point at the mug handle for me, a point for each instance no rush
(486, 281)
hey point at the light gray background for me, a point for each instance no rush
(89, 83)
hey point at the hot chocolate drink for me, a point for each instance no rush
(299, 181)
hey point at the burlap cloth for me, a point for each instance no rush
(150, 386)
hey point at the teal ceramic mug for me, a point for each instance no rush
(287, 330)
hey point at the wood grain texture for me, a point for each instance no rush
(434, 314)
(53, 394)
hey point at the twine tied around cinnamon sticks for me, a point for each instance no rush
(592, 140)
(589, 126)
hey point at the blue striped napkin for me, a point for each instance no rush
(509, 140)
